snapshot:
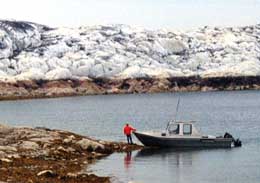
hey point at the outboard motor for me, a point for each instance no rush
(228, 135)
(236, 142)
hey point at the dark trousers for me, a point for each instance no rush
(129, 139)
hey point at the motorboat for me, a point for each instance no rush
(185, 135)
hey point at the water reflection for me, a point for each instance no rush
(180, 165)
(241, 118)
(172, 156)
(128, 159)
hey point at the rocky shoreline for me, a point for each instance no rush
(29, 89)
(30, 155)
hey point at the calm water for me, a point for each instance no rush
(104, 116)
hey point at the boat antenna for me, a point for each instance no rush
(177, 108)
(176, 112)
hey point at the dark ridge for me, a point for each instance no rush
(46, 28)
(21, 26)
(145, 79)
(183, 81)
(16, 26)
(41, 82)
(124, 85)
(215, 82)
(101, 81)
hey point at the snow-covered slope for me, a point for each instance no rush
(34, 51)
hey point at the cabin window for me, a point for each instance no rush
(187, 129)
(174, 129)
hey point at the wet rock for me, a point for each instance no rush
(98, 155)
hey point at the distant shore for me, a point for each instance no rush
(30, 89)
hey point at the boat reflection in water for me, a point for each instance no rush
(168, 155)
(166, 165)
(182, 165)
(180, 155)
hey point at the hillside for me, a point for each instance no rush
(34, 52)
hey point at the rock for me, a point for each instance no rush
(116, 146)
(8, 149)
(46, 173)
(98, 155)
(11, 156)
(41, 139)
(69, 139)
(67, 150)
(60, 148)
(72, 175)
(29, 145)
(70, 149)
(6, 160)
(87, 144)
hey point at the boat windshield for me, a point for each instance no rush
(187, 129)
(174, 129)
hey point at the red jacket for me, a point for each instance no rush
(128, 130)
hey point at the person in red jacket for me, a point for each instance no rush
(128, 131)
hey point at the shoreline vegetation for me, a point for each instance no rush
(30, 89)
(30, 155)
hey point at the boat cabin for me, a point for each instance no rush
(182, 128)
